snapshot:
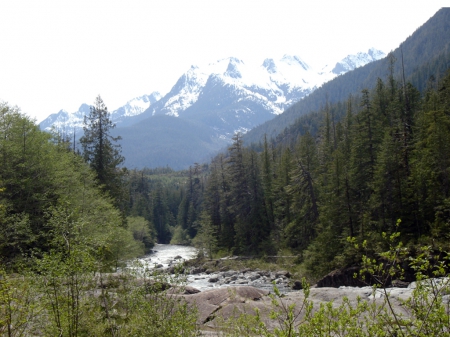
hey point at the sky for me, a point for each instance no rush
(58, 54)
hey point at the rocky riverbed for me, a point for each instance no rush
(260, 279)
(212, 274)
(219, 292)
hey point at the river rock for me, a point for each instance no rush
(228, 273)
(217, 305)
(282, 273)
(210, 301)
(241, 281)
(297, 285)
(187, 290)
(399, 284)
(197, 270)
(213, 279)
(253, 276)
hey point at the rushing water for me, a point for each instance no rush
(166, 255)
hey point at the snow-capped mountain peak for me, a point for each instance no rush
(232, 69)
(65, 122)
(294, 60)
(135, 107)
(376, 54)
(269, 64)
(360, 59)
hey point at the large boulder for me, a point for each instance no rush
(218, 302)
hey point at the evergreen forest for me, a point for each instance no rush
(360, 167)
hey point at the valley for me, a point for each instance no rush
(268, 198)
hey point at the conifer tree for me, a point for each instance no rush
(239, 192)
(101, 151)
(283, 199)
(267, 180)
(304, 208)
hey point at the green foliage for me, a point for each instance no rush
(67, 299)
(18, 305)
(65, 278)
(45, 184)
(180, 236)
(143, 232)
(206, 239)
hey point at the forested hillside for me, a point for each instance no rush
(50, 198)
(351, 169)
(436, 68)
(426, 52)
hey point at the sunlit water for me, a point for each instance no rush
(166, 255)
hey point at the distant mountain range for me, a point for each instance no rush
(65, 122)
(212, 103)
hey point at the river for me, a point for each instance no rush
(166, 255)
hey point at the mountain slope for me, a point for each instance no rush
(430, 41)
(167, 141)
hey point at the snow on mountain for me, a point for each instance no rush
(355, 61)
(65, 123)
(228, 95)
(269, 83)
(135, 107)
(231, 95)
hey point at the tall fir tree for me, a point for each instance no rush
(102, 152)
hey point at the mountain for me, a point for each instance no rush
(165, 140)
(425, 53)
(215, 100)
(65, 122)
(134, 107)
(231, 95)
(352, 62)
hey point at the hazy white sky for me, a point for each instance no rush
(57, 54)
